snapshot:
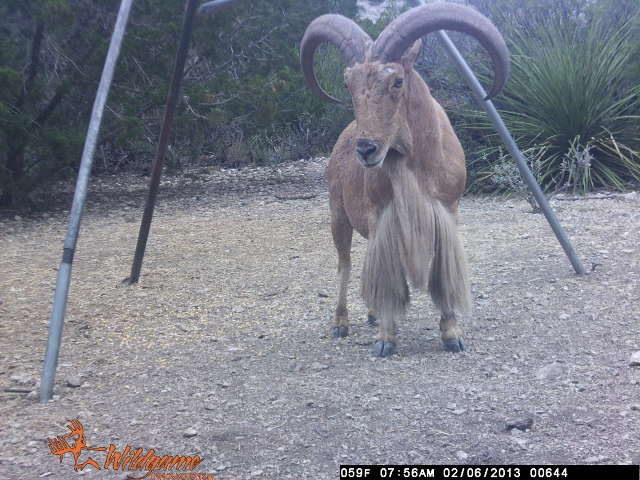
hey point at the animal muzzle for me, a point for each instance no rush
(369, 153)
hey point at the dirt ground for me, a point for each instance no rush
(224, 350)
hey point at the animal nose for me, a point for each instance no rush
(365, 149)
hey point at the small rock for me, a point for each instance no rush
(462, 455)
(17, 218)
(513, 371)
(256, 473)
(323, 294)
(521, 424)
(74, 381)
(521, 442)
(596, 459)
(190, 432)
(635, 407)
(550, 371)
(459, 411)
(319, 366)
(634, 361)
(23, 379)
(628, 197)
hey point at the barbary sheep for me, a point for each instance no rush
(397, 172)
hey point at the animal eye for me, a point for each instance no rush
(398, 83)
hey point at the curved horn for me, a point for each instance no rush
(344, 34)
(420, 21)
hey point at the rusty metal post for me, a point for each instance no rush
(163, 141)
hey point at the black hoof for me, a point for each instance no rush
(385, 349)
(340, 332)
(455, 346)
(372, 319)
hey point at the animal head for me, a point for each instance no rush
(378, 74)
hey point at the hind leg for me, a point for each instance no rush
(452, 335)
(342, 232)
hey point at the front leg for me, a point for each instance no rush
(342, 232)
(386, 341)
(452, 335)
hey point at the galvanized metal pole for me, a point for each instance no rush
(163, 142)
(64, 272)
(513, 149)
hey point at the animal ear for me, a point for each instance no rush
(412, 55)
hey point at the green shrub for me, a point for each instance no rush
(569, 96)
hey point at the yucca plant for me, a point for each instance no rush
(567, 95)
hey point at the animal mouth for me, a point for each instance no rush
(372, 165)
(371, 154)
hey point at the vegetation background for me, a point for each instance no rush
(572, 101)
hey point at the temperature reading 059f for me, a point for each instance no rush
(354, 472)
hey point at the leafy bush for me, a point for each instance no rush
(504, 176)
(48, 53)
(243, 99)
(573, 92)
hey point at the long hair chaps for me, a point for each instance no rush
(417, 239)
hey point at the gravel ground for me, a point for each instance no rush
(223, 349)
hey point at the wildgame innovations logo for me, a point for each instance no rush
(130, 460)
